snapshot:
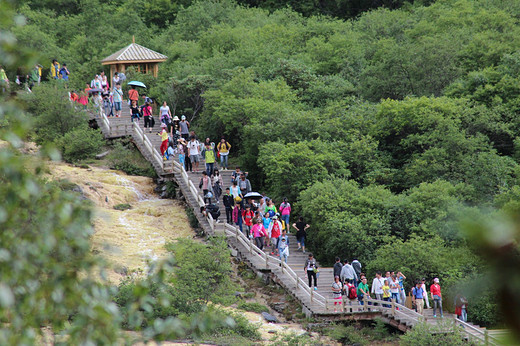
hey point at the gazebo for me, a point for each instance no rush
(144, 59)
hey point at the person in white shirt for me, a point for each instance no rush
(348, 274)
(193, 152)
(377, 286)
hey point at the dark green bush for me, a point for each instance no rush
(54, 114)
(80, 143)
(253, 307)
(125, 157)
(122, 206)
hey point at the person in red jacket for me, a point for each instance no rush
(247, 218)
(435, 291)
(275, 229)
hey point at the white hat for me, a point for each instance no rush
(183, 117)
(436, 280)
(175, 118)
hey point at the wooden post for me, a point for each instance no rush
(312, 294)
(486, 337)
(266, 260)
(281, 265)
(365, 303)
(326, 304)
(250, 246)
(393, 307)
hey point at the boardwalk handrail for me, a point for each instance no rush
(300, 284)
(148, 145)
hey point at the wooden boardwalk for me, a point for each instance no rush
(291, 276)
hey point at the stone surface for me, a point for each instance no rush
(269, 318)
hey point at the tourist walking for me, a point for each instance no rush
(283, 247)
(301, 233)
(336, 292)
(285, 211)
(258, 232)
(347, 273)
(275, 230)
(216, 179)
(435, 291)
(402, 292)
(64, 72)
(357, 268)
(55, 69)
(362, 290)
(386, 292)
(337, 267)
(204, 184)
(165, 114)
(461, 306)
(148, 120)
(423, 286)
(377, 286)
(193, 153)
(418, 296)
(185, 127)
(133, 95)
(247, 218)
(223, 148)
(135, 113)
(181, 150)
(164, 140)
(117, 94)
(395, 288)
(229, 203)
(311, 268)
(237, 214)
(208, 153)
(244, 184)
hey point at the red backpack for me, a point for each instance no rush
(352, 292)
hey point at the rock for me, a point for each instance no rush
(238, 294)
(269, 318)
(272, 331)
(102, 155)
(278, 306)
(164, 195)
(158, 189)
(164, 188)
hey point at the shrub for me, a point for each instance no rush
(192, 218)
(122, 206)
(253, 307)
(126, 158)
(442, 333)
(80, 143)
(54, 114)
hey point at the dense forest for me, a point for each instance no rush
(388, 125)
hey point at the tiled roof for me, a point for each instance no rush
(135, 52)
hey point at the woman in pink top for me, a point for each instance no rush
(285, 209)
(258, 232)
(435, 291)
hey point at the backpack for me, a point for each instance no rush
(352, 292)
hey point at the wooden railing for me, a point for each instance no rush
(143, 139)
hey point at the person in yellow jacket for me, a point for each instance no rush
(164, 140)
(223, 150)
(55, 69)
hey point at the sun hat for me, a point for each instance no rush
(175, 118)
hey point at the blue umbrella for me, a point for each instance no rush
(137, 83)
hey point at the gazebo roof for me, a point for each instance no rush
(134, 53)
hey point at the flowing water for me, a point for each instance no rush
(127, 239)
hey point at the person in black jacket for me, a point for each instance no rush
(229, 203)
(337, 267)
